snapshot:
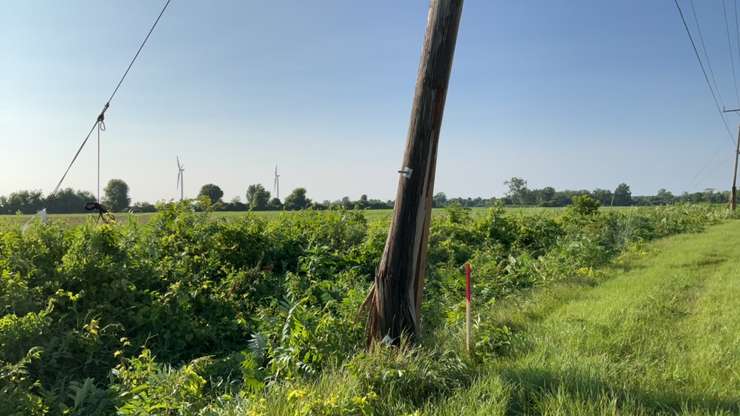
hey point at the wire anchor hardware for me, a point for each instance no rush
(406, 172)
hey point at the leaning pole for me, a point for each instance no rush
(395, 300)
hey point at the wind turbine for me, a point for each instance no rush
(276, 184)
(180, 185)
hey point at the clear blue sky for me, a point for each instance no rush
(569, 93)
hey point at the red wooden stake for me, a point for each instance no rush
(468, 309)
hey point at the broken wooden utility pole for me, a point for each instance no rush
(395, 300)
(733, 191)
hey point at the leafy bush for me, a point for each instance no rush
(584, 205)
(18, 390)
(194, 315)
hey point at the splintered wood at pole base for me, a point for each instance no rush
(394, 302)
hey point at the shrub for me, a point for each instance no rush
(18, 390)
(584, 205)
(246, 313)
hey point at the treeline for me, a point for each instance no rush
(116, 199)
(519, 194)
(68, 200)
(257, 198)
(65, 201)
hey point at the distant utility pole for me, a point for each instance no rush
(395, 300)
(733, 193)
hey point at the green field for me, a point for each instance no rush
(660, 336)
(371, 215)
(76, 219)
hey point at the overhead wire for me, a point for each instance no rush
(729, 48)
(154, 25)
(101, 127)
(704, 49)
(101, 116)
(702, 172)
(712, 89)
(737, 32)
(703, 69)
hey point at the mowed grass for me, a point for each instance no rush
(660, 336)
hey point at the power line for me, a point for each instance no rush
(56, 188)
(729, 48)
(101, 116)
(167, 3)
(737, 30)
(703, 70)
(706, 78)
(704, 49)
(701, 173)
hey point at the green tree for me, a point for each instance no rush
(622, 195)
(213, 192)
(664, 197)
(362, 203)
(143, 207)
(604, 196)
(258, 198)
(439, 200)
(275, 204)
(116, 195)
(546, 195)
(68, 200)
(297, 200)
(26, 202)
(517, 190)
